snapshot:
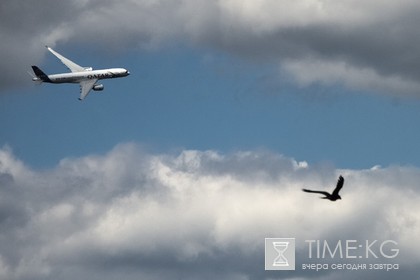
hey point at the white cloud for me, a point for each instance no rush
(372, 45)
(187, 213)
(331, 73)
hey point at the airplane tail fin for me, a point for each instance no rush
(40, 75)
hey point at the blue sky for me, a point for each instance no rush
(189, 98)
(183, 168)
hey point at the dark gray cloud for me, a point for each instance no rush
(197, 214)
(370, 46)
(25, 27)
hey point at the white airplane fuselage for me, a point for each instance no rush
(88, 75)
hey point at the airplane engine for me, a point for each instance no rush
(98, 87)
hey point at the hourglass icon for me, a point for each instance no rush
(280, 247)
(280, 254)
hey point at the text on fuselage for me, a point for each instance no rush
(99, 76)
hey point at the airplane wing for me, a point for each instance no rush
(85, 87)
(70, 64)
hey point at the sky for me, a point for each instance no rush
(231, 108)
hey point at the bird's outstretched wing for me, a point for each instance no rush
(320, 192)
(340, 184)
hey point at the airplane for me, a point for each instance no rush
(86, 77)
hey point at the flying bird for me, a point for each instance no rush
(334, 196)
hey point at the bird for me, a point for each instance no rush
(334, 196)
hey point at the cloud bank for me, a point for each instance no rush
(132, 214)
(365, 46)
